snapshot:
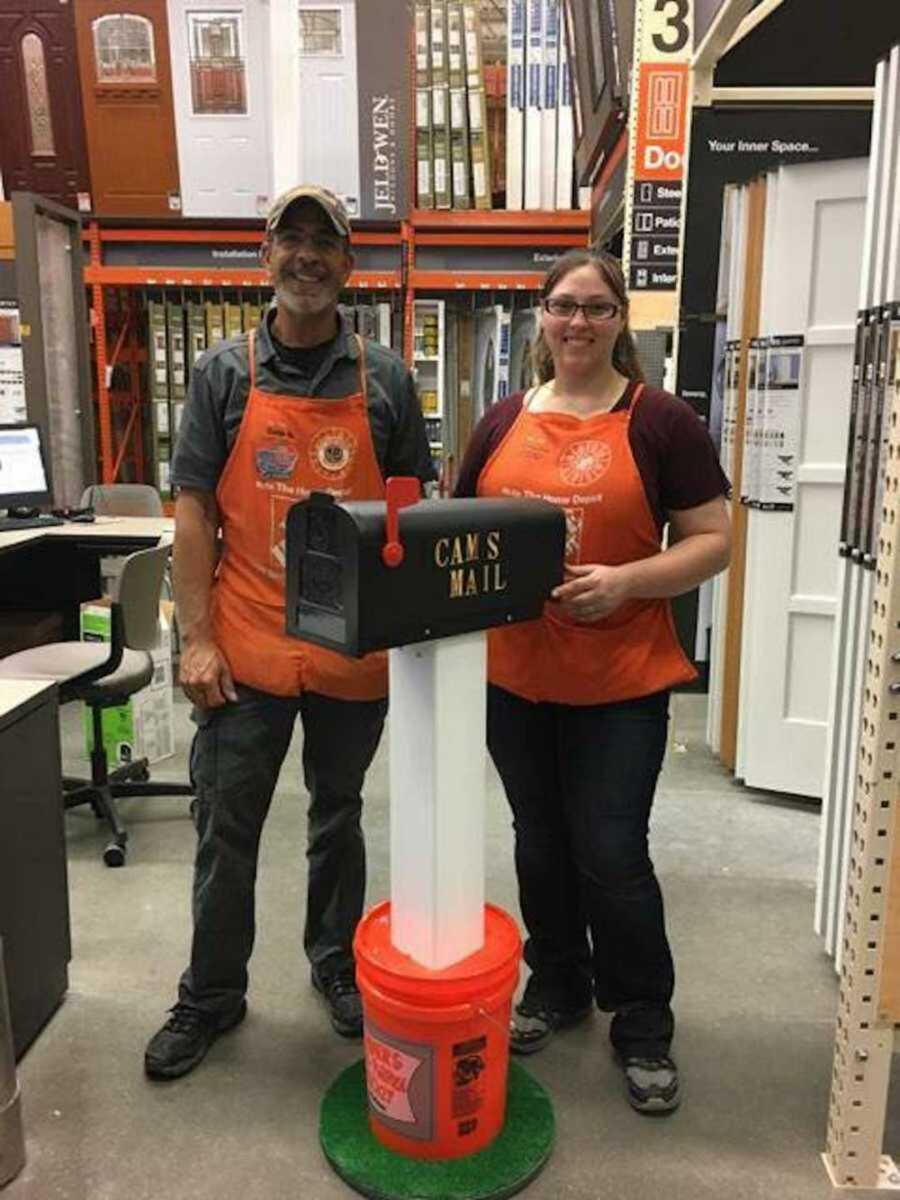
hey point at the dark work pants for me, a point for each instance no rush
(235, 760)
(580, 782)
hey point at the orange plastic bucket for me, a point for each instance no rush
(436, 1042)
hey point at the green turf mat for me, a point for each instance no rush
(503, 1169)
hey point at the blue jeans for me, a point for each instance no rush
(236, 756)
(580, 782)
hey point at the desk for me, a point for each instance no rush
(34, 902)
(44, 571)
(56, 569)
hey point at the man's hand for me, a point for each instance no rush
(591, 591)
(205, 675)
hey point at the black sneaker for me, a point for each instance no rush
(343, 1001)
(183, 1041)
(534, 1023)
(652, 1084)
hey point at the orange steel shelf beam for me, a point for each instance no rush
(198, 277)
(235, 236)
(475, 281)
(493, 237)
(576, 220)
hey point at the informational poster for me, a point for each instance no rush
(657, 141)
(779, 381)
(888, 384)
(13, 409)
(855, 396)
(729, 408)
(748, 479)
(856, 481)
(876, 382)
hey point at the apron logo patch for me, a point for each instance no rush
(584, 463)
(533, 447)
(331, 452)
(275, 462)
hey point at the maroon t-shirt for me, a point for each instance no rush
(674, 453)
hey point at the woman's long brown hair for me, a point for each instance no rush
(625, 358)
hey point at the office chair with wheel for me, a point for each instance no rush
(131, 500)
(104, 675)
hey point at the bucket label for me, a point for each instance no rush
(469, 1070)
(400, 1082)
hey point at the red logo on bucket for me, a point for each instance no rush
(389, 1077)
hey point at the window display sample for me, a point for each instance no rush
(124, 60)
(123, 49)
(218, 82)
(220, 78)
(328, 114)
(43, 149)
(38, 96)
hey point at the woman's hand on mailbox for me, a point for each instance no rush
(204, 674)
(591, 591)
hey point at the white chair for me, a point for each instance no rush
(104, 675)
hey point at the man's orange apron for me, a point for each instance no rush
(286, 448)
(585, 465)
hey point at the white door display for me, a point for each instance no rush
(813, 248)
(220, 80)
(329, 114)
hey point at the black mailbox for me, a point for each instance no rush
(459, 566)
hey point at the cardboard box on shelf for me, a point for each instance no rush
(145, 726)
(423, 43)
(159, 351)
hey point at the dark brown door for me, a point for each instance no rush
(126, 82)
(42, 146)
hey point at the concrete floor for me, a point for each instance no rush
(755, 1005)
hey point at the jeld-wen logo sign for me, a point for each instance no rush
(663, 114)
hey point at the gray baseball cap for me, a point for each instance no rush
(326, 200)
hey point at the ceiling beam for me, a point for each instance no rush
(722, 29)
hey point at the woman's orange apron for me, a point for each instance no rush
(287, 447)
(586, 466)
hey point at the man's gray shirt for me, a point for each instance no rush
(220, 385)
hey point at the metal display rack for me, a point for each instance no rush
(475, 251)
(860, 814)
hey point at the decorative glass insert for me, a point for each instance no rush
(320, 31)
(38, 97)
(218, 70)
(124, 51)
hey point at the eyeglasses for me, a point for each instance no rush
(594, 310)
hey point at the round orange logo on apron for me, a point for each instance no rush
(331, 452)
(584, 462)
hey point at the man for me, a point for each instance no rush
(298, 405)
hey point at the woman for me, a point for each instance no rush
(578, 700)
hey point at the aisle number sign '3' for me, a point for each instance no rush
(666, 39)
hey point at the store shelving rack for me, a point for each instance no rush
(125, 348)
(464, 234)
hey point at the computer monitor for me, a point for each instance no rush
(23, 475)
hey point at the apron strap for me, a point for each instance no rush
(363, 386)
(251, 340)
(638, 392)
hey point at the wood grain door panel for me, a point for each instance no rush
(59, 170)
(129, 113)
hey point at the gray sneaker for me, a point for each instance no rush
(185, 1038)
(534, 1024)
(342, 1000)
(652, 1084)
